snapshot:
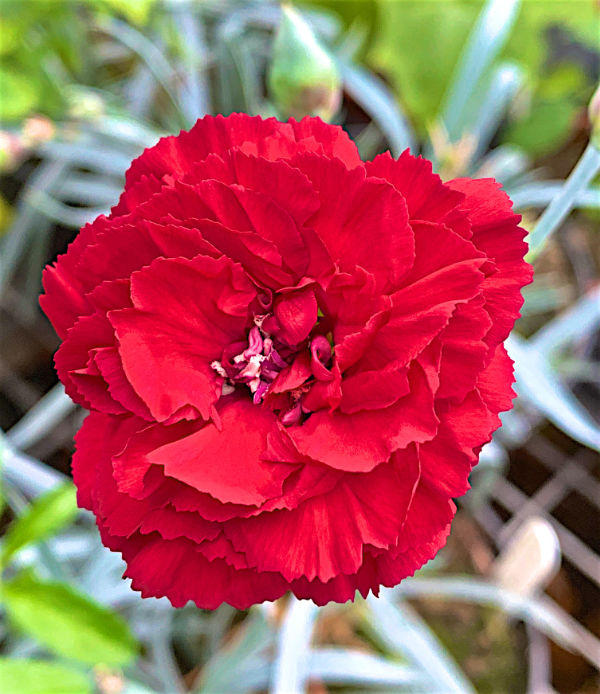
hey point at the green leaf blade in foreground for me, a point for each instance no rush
(25, 676)
(43, 518)
(67, 622)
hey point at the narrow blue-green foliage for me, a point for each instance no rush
(376, 99)
(154, 60)
(508, 164)
(506, 80)
(27, 473)
(28, 220)
(542, 193)
(195, 94)
(290, 669)
(232, 42)
(243, 664)
(485, 43)
(537, 383)
(345, 666)
(539, 612)
(576, 323)
(582, 175)
(404, 632)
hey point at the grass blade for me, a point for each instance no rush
(27, 473)
(195, 97)
(541, 612)
(242, 666)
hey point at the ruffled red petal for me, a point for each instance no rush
(292, 360)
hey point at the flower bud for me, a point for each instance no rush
(594, 116)
(303, 78)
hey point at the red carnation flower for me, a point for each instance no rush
(291, 360)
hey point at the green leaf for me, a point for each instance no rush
(136, 11)
(43, 518)
(18, 94)
(68, 622)
(548, 123)
(2, 471)
(416, 47)
(9, 35)
(25, 676)
(417, 44)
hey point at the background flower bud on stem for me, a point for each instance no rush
(303, 78)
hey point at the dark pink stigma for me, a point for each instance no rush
(293, 415)
(255, 344)
(320, 351)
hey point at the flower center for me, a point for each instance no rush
(258, 363)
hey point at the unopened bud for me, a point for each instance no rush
(594, 116)
(303, 78)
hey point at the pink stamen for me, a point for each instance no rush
(278, 360)
(260, 392)
(252, 368)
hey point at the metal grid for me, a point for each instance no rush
(565, 476)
